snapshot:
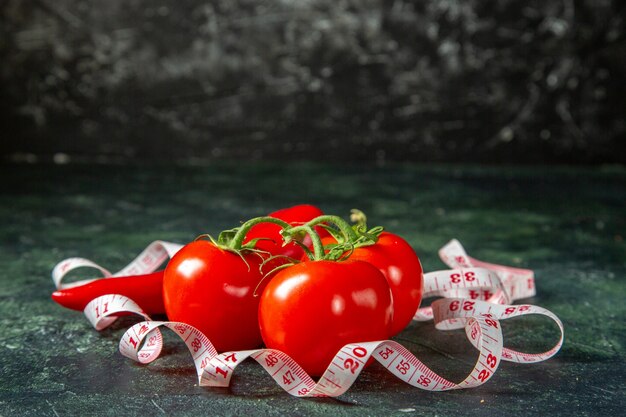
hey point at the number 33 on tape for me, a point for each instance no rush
(476, 297)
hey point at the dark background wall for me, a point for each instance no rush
(377, 80)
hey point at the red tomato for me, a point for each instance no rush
(312, 309)
(213, 290)
(272, 241)
(397, 260)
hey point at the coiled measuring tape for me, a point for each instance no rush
(476, 295)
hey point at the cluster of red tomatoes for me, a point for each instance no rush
(272, 289)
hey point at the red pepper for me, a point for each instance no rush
(145, 290)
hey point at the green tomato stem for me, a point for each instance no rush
(358, 217)
(242, 230)
(344, 227)
(318, 248)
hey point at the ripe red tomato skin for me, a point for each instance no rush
(213, 290)
(312, 309)
(396, 259)
(270, 233)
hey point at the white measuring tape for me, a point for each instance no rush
(477, 296)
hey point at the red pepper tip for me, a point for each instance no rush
(65, 299)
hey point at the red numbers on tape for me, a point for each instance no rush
(457, 277)
(476, 297)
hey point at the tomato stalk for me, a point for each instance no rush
(358, 217)
(318, 247)
(236, 243)
(232, 240)
(348, 237)
(346, 230)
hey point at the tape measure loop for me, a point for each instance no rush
(142, 342)
(509, 311)
(63, 268)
